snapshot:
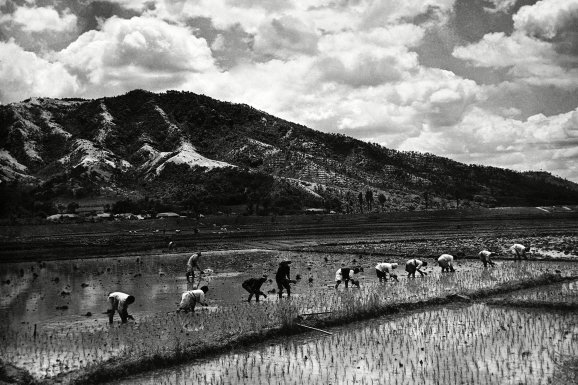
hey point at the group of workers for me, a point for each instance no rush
(119, 302)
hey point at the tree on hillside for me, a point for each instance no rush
(72, 207)
(382, 199)
(369, 199)
(348, 202)
(360, 199)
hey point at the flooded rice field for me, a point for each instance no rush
(473, 344)
(54, 321)
(43, 293)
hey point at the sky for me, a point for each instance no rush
(492, 82)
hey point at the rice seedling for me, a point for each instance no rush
(474, 344)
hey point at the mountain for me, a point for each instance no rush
(192, 152)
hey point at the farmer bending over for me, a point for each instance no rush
(347, 274)
(282, 277)
(414, 265)
(446, 262)
(119, 302)
(191, 264)
(384, 269)
(253, 286)
(486, 257)
(519, 251)
(190, 298)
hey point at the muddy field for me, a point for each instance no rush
(70, 241)
(56, 329)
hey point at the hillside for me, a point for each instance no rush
(188, 152)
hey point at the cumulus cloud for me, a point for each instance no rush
(41, 19)
(24, 74)
(500, 50)
(285, 37)
(527, 53)
(142, 48)
(500, 5)
(382, 13)
(222, 13)
(482, 137)
(370, 58)
(547, 18)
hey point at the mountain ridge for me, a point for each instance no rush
(142, 144)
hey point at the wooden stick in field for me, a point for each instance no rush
(312, 328)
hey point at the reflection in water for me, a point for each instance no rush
(35, 290)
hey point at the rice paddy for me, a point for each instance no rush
(56, 329)
(472, 344)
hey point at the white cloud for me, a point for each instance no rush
(382, 13)
(482, 137)
(138, 5)
(500, 50)
(501, 5)
(42, 19)
(546, 18)
(285, 37)
(219, 43)
(24, 74)
(223, 14)
(529, 53)
(369, 58)
(141, 52)
(571, 125)
(529, 60)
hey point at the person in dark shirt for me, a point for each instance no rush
(414, 265)
(283, 278)
(253, 286)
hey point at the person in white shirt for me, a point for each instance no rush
(486, 257)
(385, 269)
(119, 302)
(191, 264)
(347, 274)
(446, 262)
(519, 251)
(414, 265)
(190, 298)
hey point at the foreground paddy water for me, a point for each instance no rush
(474, 344)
